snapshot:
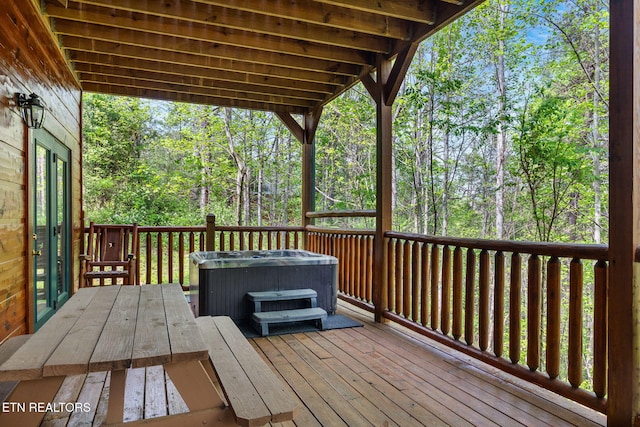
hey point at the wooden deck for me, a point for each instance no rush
(380, 375)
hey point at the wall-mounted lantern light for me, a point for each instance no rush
(33, 109)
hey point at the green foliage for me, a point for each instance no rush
(549, 160)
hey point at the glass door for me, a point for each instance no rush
(52, 227)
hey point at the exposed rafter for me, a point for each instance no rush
(287, 56)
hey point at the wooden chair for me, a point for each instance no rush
(110, 254)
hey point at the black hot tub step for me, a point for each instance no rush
(285, 295)
(261, 321)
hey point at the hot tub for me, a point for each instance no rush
(219, 281)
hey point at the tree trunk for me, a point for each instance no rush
(204, 179)
(240, 166)
(501, 139)
(595, 134)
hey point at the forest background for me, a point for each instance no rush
(500, 131)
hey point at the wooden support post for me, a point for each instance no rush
(306, 135)
(308, 160)
(384, 170)
(383, 90)
(210, 244)
(624, 218)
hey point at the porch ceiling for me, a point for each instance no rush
(289, 56)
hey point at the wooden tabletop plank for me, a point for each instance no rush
(115, 346)
(74, 352)
(280, 402)
(247, 405)
(28, 361)
(185, 338)
(151, 341)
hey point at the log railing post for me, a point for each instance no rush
(469, 306)
(575, 322)
(424, 284)
(445, 308)
(600, 329)
(553, 318)
(498, 304)
(534, 312)
(483, 303)
(211, 233)
(457, 293)
(515, 286)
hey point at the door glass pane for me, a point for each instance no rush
(61, 226)
(41, 243)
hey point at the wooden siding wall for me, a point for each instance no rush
(30, 61)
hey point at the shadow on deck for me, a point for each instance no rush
(381, 375)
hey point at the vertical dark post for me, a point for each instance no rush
(383, 186)
(306, 135)
(308, 176)
(211, 233)
(624, 218)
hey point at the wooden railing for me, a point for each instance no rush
(237, 238)
(354, 250)
(492, 300)
(163, 253)
(531, 309)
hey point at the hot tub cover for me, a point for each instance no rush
(243, 259)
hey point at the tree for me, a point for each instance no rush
(116, 131)
(549, 161)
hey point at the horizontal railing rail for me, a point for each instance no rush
(342, 214)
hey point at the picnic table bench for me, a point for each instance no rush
(114, 328)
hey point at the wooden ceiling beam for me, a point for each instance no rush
(173, 44)
(290, 56)
(409, 10)
(322, 14)
(95, 25)
(79, 47)
(273, 99)
(210, 15)
(190, 98)
(196, 82)
(85, 62)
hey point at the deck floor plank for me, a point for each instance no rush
(349, 387)
(134, 395)
(270, 354)
(175, 403)
(325, 390)
(440, 404)
(68, 392)
(103, 404)
(90, 394)
(467, 374)
(379, 374)
(467, 403)
(155, 394)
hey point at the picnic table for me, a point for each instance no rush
(113, 328)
